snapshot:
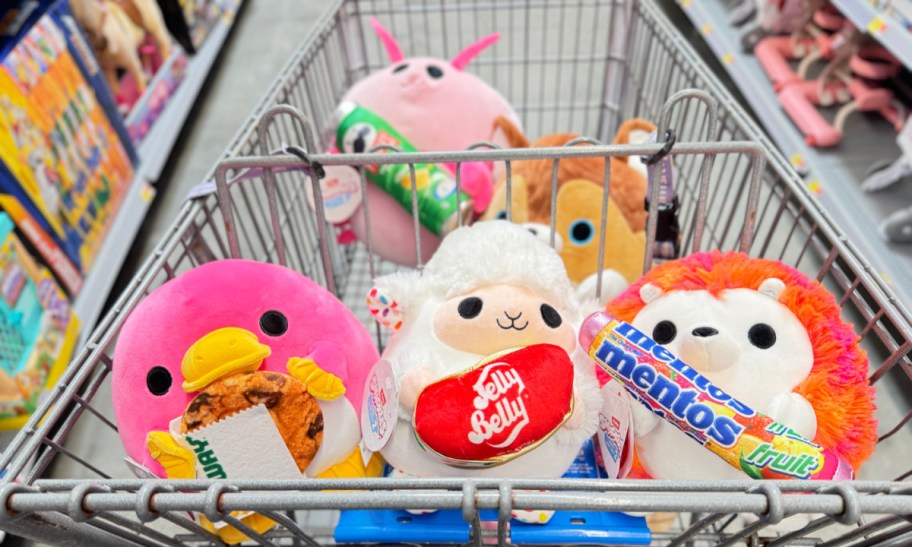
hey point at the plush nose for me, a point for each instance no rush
(512, 318)
(707, 350)
(412, 77)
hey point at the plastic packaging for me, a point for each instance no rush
(746, 439)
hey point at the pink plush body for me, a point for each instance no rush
(449, 110)
(228, 293)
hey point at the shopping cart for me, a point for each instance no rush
(582, 66)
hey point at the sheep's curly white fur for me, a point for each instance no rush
(488, 253)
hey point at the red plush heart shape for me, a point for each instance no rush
(502, 407)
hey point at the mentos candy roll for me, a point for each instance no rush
(746, 439)
(359, 130)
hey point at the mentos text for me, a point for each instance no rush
(682, 403)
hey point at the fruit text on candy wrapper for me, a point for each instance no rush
(627, 352)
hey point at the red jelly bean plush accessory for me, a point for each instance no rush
(501, 408)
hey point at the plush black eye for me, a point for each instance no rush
(551, 317)
(470, 307)
(581, 232)
(434, 72)
(400, 68)
(158, 380)
(359, 145)
(273, 323)
(502, 214)
(762, 335)
(664, 332)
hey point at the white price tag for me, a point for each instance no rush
(615, 434)
(380, 406)
(341, 188)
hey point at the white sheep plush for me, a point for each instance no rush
(489, 288)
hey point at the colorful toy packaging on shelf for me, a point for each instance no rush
(191, 21)
(130, 41)
(38, 329)
(66, 161)
(149, 107)
(56, 260)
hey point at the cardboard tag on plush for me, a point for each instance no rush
(499, 409)
(140, 470)
(223, 450)
(615, 433)
(341, 188)
(379, 407)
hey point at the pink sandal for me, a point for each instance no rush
(818, 39)
(868, 64)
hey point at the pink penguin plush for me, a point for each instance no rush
(307, 333)
(437, 106)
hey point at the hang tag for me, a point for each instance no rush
(615, 434)
(140, 470)
(668, 231)
(380, 407)
(341, 189)
(366, 454)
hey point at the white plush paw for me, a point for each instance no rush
(411, 385)
(613, 284)
(796, 412)
(578, 416)
(644, 420)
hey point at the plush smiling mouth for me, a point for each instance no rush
(512, 325)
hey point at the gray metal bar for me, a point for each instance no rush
(54, 528)
(414, 498)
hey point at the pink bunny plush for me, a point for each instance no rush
(437, 106)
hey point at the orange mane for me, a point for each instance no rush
(837, 386)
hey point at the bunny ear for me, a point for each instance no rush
(466, 55)
(390, 43)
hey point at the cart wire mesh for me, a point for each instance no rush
(582, 66)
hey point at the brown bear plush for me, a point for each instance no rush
(579, 202)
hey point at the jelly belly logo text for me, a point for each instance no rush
(680, 402)
(500, 412)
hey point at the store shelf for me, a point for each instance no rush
(879, 25)
(833, 175)
(158, 143)
(110, 258)
(153, 154)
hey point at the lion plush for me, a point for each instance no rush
(579, 203)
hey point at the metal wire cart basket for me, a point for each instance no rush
(582, 66)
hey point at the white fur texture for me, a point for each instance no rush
(486, 254)
(761, 378)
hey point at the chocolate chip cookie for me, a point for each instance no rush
(295, 412)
